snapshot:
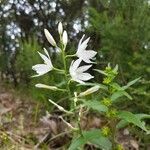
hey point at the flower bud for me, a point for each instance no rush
(49, 37)
(60, 28)
(107, 102)
(106, 131)
(119, 147)
(65, 38)
(89, 91)
(39, 85)
(112, 113)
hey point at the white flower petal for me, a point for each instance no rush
(86, 55)
(49, 37)
(91, 53)
(46, 60)
(79, 81)
(83, 68)
(85, 76)
(83, 46)
(46, 52)
(81, 40)
(41, 69)
(76, 64)
(71, 69)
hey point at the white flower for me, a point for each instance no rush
(90, 91)
(65, 38)
(84, 54)
(60, 28)
(41, 69)
(77, 73)
(49, 37)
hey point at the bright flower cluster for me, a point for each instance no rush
(77, 72)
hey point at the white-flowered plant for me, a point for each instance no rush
(99, 97)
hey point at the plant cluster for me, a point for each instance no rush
(99, 97)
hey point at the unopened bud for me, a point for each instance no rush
(106, 131)
(89, 91)
(60, 28)
(49, 37)
(65, 38)
(39, 85)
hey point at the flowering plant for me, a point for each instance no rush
(104, 102)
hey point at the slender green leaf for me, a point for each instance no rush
(101, 72)
(102, 86)
(119, 94)
(130, 83)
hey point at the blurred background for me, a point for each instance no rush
(119, 31)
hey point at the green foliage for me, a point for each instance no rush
(134, 119)
(96, 105)
(121, 36)
(26, 58)
(94, 136)
(79, 102)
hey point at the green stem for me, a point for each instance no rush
(65, 69)
(74, 55)
(73, 103)
(59, 70)
(79, 119)
(36, 113)
(113, 132)
(64, 62)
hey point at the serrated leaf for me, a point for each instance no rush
(132, 118)
(95, 105)
(94, 136)
(119, 94)
(131, 83)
